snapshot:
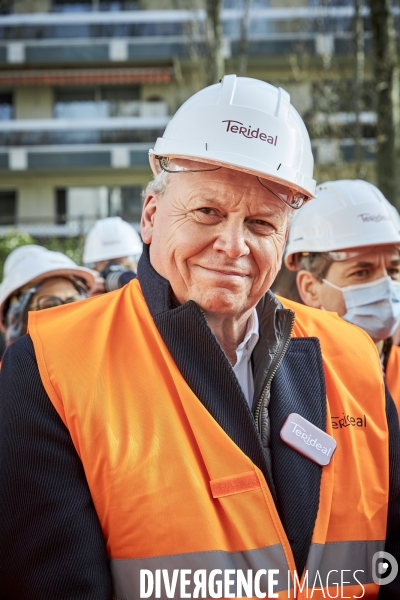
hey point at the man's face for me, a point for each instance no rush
(375, 263)
(371, 264)
(218, 238)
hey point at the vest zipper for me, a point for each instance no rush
(274, 367)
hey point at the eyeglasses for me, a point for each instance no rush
(342, 255)
(43, 302)
(293, 199)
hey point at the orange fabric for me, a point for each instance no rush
(148, 445)
(234, 485)
(393, 376)
(358, 475)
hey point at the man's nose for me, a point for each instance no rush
(381, 270)
(232, 239)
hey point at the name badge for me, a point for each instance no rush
(309, 440)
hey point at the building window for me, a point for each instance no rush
(6, 106)
(82, 206)
(8, 207)
(89, 5)
(61, 206)
(71, 5)
(97, 103)
(126, 202)
(78, 103)
(6, 7)
(132, 203)
(121, 101)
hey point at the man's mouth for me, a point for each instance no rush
(225, 271)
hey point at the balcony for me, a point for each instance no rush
(74, 211)
(98, 37)
(78, 144)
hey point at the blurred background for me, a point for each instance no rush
(86, 86)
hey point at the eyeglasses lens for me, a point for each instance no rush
(180, 165)
(294, 200)
(51, 301)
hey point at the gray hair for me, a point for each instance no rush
(158, 185)
(317, 263)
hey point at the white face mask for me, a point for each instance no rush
(374, 306)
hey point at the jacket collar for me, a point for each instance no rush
(272, 315)
(156, 289)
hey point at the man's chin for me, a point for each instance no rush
(222, 301)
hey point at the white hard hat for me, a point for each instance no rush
(346, 214)
(244, 124)
(15, 256)
(111, 238)
(32, 263)
(396, 216)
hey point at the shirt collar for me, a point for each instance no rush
(251, 336)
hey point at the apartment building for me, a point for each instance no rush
(86, 86)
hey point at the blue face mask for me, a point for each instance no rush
(374, 306)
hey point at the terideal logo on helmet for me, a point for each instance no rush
(233, 127)
(374, 218)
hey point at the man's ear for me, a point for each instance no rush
(309, 289)
(148, 216)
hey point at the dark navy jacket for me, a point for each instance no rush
(51, 543)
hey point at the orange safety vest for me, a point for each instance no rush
(172, 490)
(393, 376)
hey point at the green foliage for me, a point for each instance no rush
(72, 247)
(11, 240)
(14, 238)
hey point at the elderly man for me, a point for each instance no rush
(184, 436)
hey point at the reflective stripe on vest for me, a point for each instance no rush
(126, 573)
(346, 556)
(168, 484)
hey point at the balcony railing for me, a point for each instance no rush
(165, 23)
(60, 132)
(141, 34)
(73, 144)
(78, 136)
(58, 225)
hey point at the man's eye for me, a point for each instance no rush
(394, 273)
(361, 273)
(262, 226)
(207, 215)
(207, 211)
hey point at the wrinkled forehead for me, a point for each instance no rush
(186, 165)
(226, 186)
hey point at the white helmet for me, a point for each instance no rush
(346, 214)
(244, 124)
(111, 238)
(16, 255)
(32, 263)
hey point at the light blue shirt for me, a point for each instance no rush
(242, 368)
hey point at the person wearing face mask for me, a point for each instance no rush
(112, 248)
(345, 248)
(36, 278)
